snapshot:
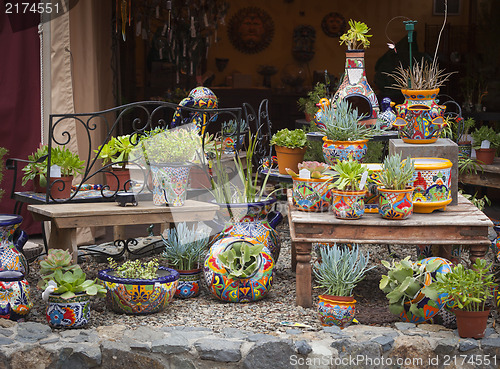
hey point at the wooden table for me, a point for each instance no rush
(463, 224)
(66, 218)
(489, 176)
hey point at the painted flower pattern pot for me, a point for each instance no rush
(372, 195)
(228, 289)
(432, 182)
(68, 313)
(348, 204)
(139, 296)
(341, 150)
(336, 310)
(395, 204)
(15, 302)
(169, 184)
(189, 283)
(428, 307)
(419, 119)
(311, 194)
(11, 244)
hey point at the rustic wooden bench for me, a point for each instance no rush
(463, 224)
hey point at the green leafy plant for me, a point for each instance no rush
(116, 150)
(241, 259)
(340, 269)
(37, 166)
(396, 174)
(308, 104)
(478, 202)
(316, 169)
(135, 269)
(357, 36)
(403, 282)
(57, 259)
(341, 123)
(72, 282)
(290, 139)
(469, 288)
(186, 246)
(349, 173)
(457, 129)
(485, 133)
(230, 127)
(178, 145)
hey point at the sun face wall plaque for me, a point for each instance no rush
(333, 24)
(250, 30)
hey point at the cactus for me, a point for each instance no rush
(241, 259)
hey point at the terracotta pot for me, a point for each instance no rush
(289, 158)
(37, 187)
(336, 310)
(471, 324)
(117, 178)
(485, 156)
(198, 178)
(60, 187)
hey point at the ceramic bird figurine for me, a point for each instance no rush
(387, 116)
(319, 116)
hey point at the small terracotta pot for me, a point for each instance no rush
(60, 187)
(117, 178)
(471, 324)
(289, 158)
(485, 156)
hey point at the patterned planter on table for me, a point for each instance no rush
(395, 204)
(341, 150)
(336, 310)
(15, 302)
(139, 296)
(348, 204)
(169, 184)
(312, 194)
(228, 289)
(68, 313)
(371, 197)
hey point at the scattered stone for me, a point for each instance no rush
(49, 340)
(293, 331)
(385, 342)
(31, 331)
(5, 341)
(303, 347)
(446, 346)
(269, 355)
(467, 344)
(6, 332)
(259, 337)
(170, 345)
(6, 323)
(235, 333)
(402, 326)
(221, 350)
(332, 330)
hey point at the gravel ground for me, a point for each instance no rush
(263, 316)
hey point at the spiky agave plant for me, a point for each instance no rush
(396, 174)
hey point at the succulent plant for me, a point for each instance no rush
(291, 139)
(241, 259)
(68, 284)
(349, 175)
(396, 174)
(135, 269)
(57, 259)
(314, 167)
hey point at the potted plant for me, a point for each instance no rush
(485, 151)
(233, 135)
(308, 104)
(116, 152)
(185, 249)
(170, 154)
(68, 292)
(36, 169)
(137, 287)
(404, 283)
(290, 148)
(395, 195)
(469, 290)
(310, 187)
(344, 135)
(348, 191)
(339, 270)
(239, 269)
(458, 129)
(356, 37)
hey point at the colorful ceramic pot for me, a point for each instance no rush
(169, 184)
(189, 283)
(341, 150)
(464, 150)
(395, 204)
(139, 296)
(371, 197)
(201, 98)
(245, 212)
(428, 307)
(311, 194)
(336, 310)
(229, 143)
(15, 303)
(432, 182)
(348, 204)
(11, 244)
(228, 289)
(289, 158)
(419, 119)
(454, 252)
(68, 313)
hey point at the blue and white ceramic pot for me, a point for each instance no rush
(189, 283)
(68, 313)
(170, 183)
(15, 303)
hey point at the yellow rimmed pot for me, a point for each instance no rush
(432, 182)
(336, 310)
(341, 150)
(348, 204)
(395, 204)
(312, 194)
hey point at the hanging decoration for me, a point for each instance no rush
(333, 24)
(250, 30)
(303, 43)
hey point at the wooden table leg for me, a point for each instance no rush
(303, 285)
(477, 251)
(64, 238)
(118, 232)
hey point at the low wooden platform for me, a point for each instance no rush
(463, 224)
(489, 176)
(66, 218)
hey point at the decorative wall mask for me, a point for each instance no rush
(303, 43)
(333, 24)
(250, 30)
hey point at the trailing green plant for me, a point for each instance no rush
(116, 150)
(340, 269)
(349, 174)
(185, 247)
(457, 129)
(135, 269)
(485, 133)
(57, 259)
(396, 174)
(467, 165)
(470, 288)
(342, 123)
(315, 168)
(72, 282)
(357, 36)
(403, 281)
(308, 104)
(290, 139)
(241, 259)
